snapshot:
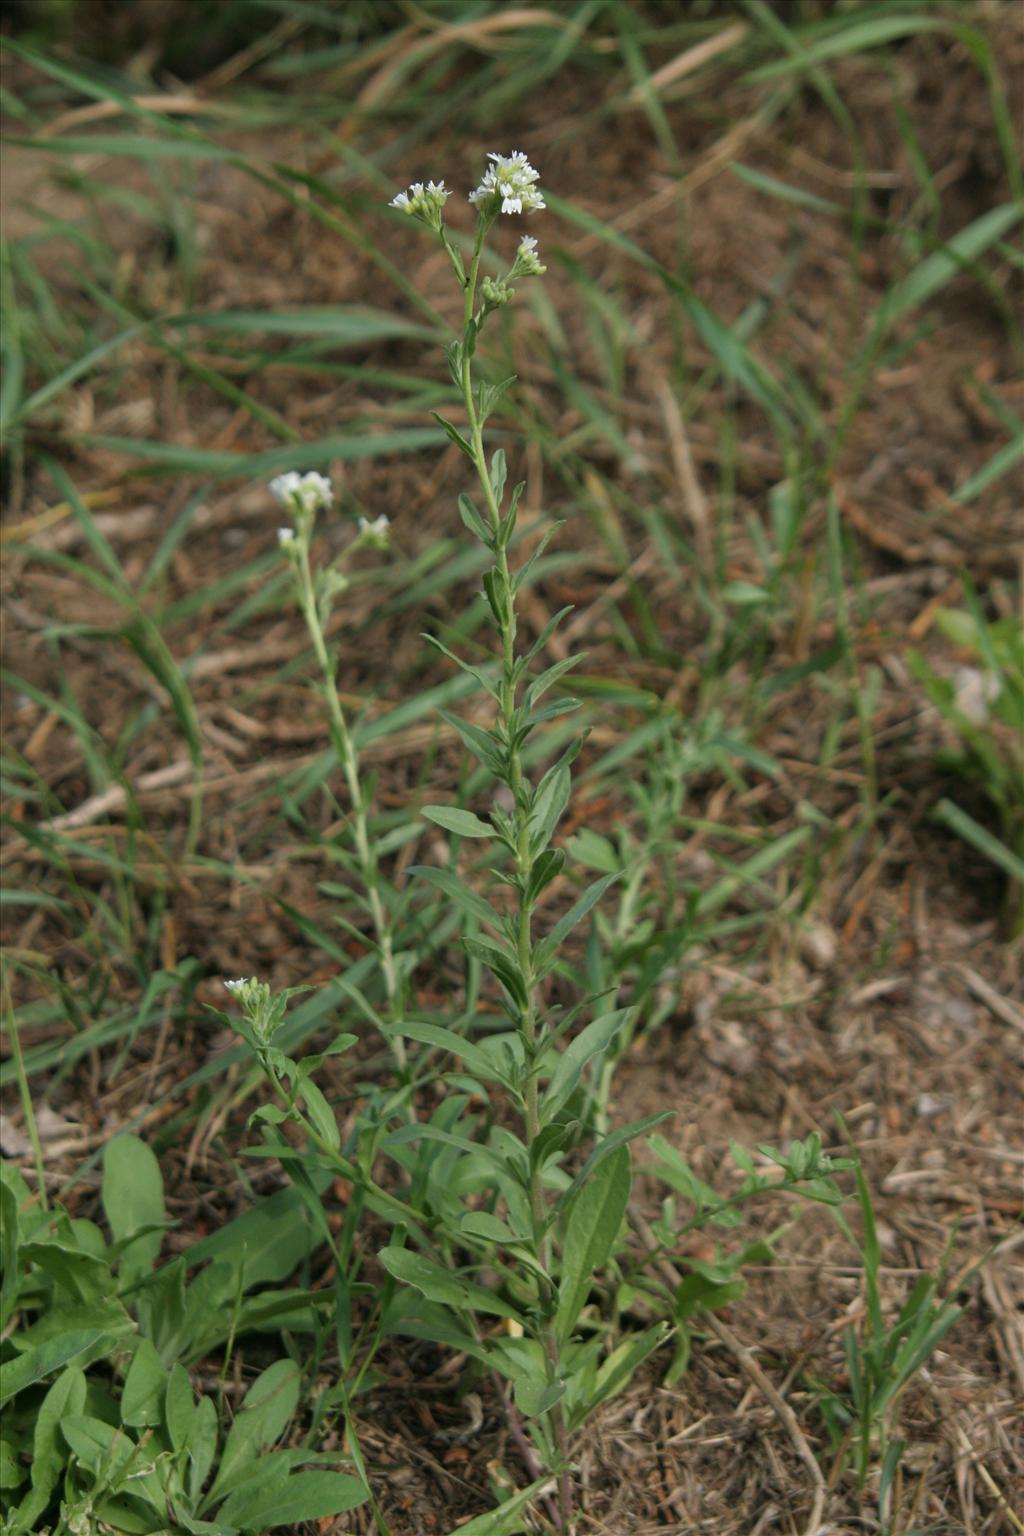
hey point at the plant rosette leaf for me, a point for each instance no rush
(133, 1199)
(266, 1409)
(293, 1500)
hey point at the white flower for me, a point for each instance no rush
(512, 179)
(302, 493)
(236, 986)
(375, 532)
(423, 202)
(286, 535)
(527, 263)
(404, 201)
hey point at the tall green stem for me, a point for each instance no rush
(524, 867)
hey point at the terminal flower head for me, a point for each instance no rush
(509, 183)
(423, 202)
(302, 494)
(261, 1008)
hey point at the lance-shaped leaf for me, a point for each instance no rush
(551, 800)
(479, 1061)
(462, 823)
(549, 948)
(541, 684)
(591, 1231)
(479, 673)
(590, 1042)
(474, 522)
(504, 965)
(454, 434)
(440, 1284)
(459, 892)
(479, 741)
(499, 474)
(507, 1519)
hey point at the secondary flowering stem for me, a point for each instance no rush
(304, 496)
(341, 739)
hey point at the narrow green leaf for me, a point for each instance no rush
(482, 676)
(507, 1519)
(462, 823)
(504, 965)
(479, 741)
(859, 34)
(541, 684)
(617, 1371)
(459, 892)
(957, 254)
(546, 867)
(489, 396)
(578, 911)
(499, 473)
(591, 1232)
(321, 1114)
(474, 522)
(202, 1445)
(589, 1043)
(534, 1398)
(549, 803)
(477, 1060)
(607, 1146)
(491, 1228)
(439, 1284)
(455, 435)
(979, 837)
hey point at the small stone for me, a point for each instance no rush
(728, 1046)
(818, 945)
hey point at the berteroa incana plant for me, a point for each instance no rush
(514, 1197)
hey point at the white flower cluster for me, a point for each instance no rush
(375, 532)
(261, 1010)
(528, 263)
(423, 202)
(301, 494)
(512, 179)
